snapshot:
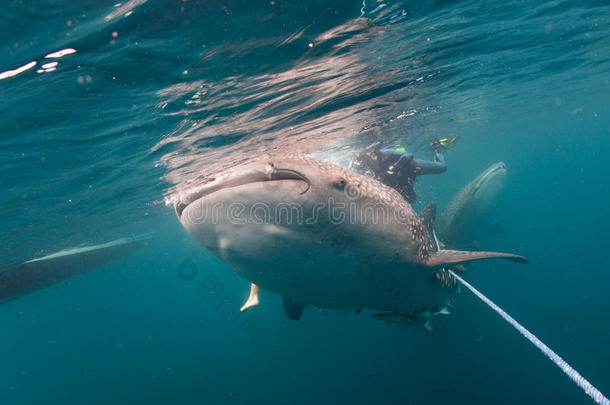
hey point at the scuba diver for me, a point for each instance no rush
(398, 168)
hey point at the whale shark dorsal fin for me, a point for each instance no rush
(293, 309)
(428, 215)
(443, 257)
(252, 300)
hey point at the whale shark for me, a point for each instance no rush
(321, 235)
(465, 219)
(21, 279)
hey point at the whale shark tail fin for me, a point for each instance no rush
(443, 257)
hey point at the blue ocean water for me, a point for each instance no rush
(152, 93)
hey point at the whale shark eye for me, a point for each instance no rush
(269, 168)
(340, 184)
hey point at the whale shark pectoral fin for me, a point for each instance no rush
(428, 215)
(252, 300)
(293, 309)
(443, 257)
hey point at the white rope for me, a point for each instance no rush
(582, 382)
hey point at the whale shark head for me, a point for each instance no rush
(467, 216)
(488, 186)
(266, 175)
(289, 197)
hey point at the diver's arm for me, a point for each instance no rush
(431, 167)
(394, 158)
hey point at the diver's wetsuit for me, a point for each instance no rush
(397, 169)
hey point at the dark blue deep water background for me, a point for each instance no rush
(161, 90)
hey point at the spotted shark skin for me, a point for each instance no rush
(352, 242)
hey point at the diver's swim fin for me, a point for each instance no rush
(440, 144)
(252, 300)
(293, 309)
(443, 257)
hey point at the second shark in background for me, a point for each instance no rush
(467, 219)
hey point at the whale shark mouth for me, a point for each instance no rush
(271, 174)
(496, 169)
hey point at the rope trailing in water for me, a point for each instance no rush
(574, 375)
